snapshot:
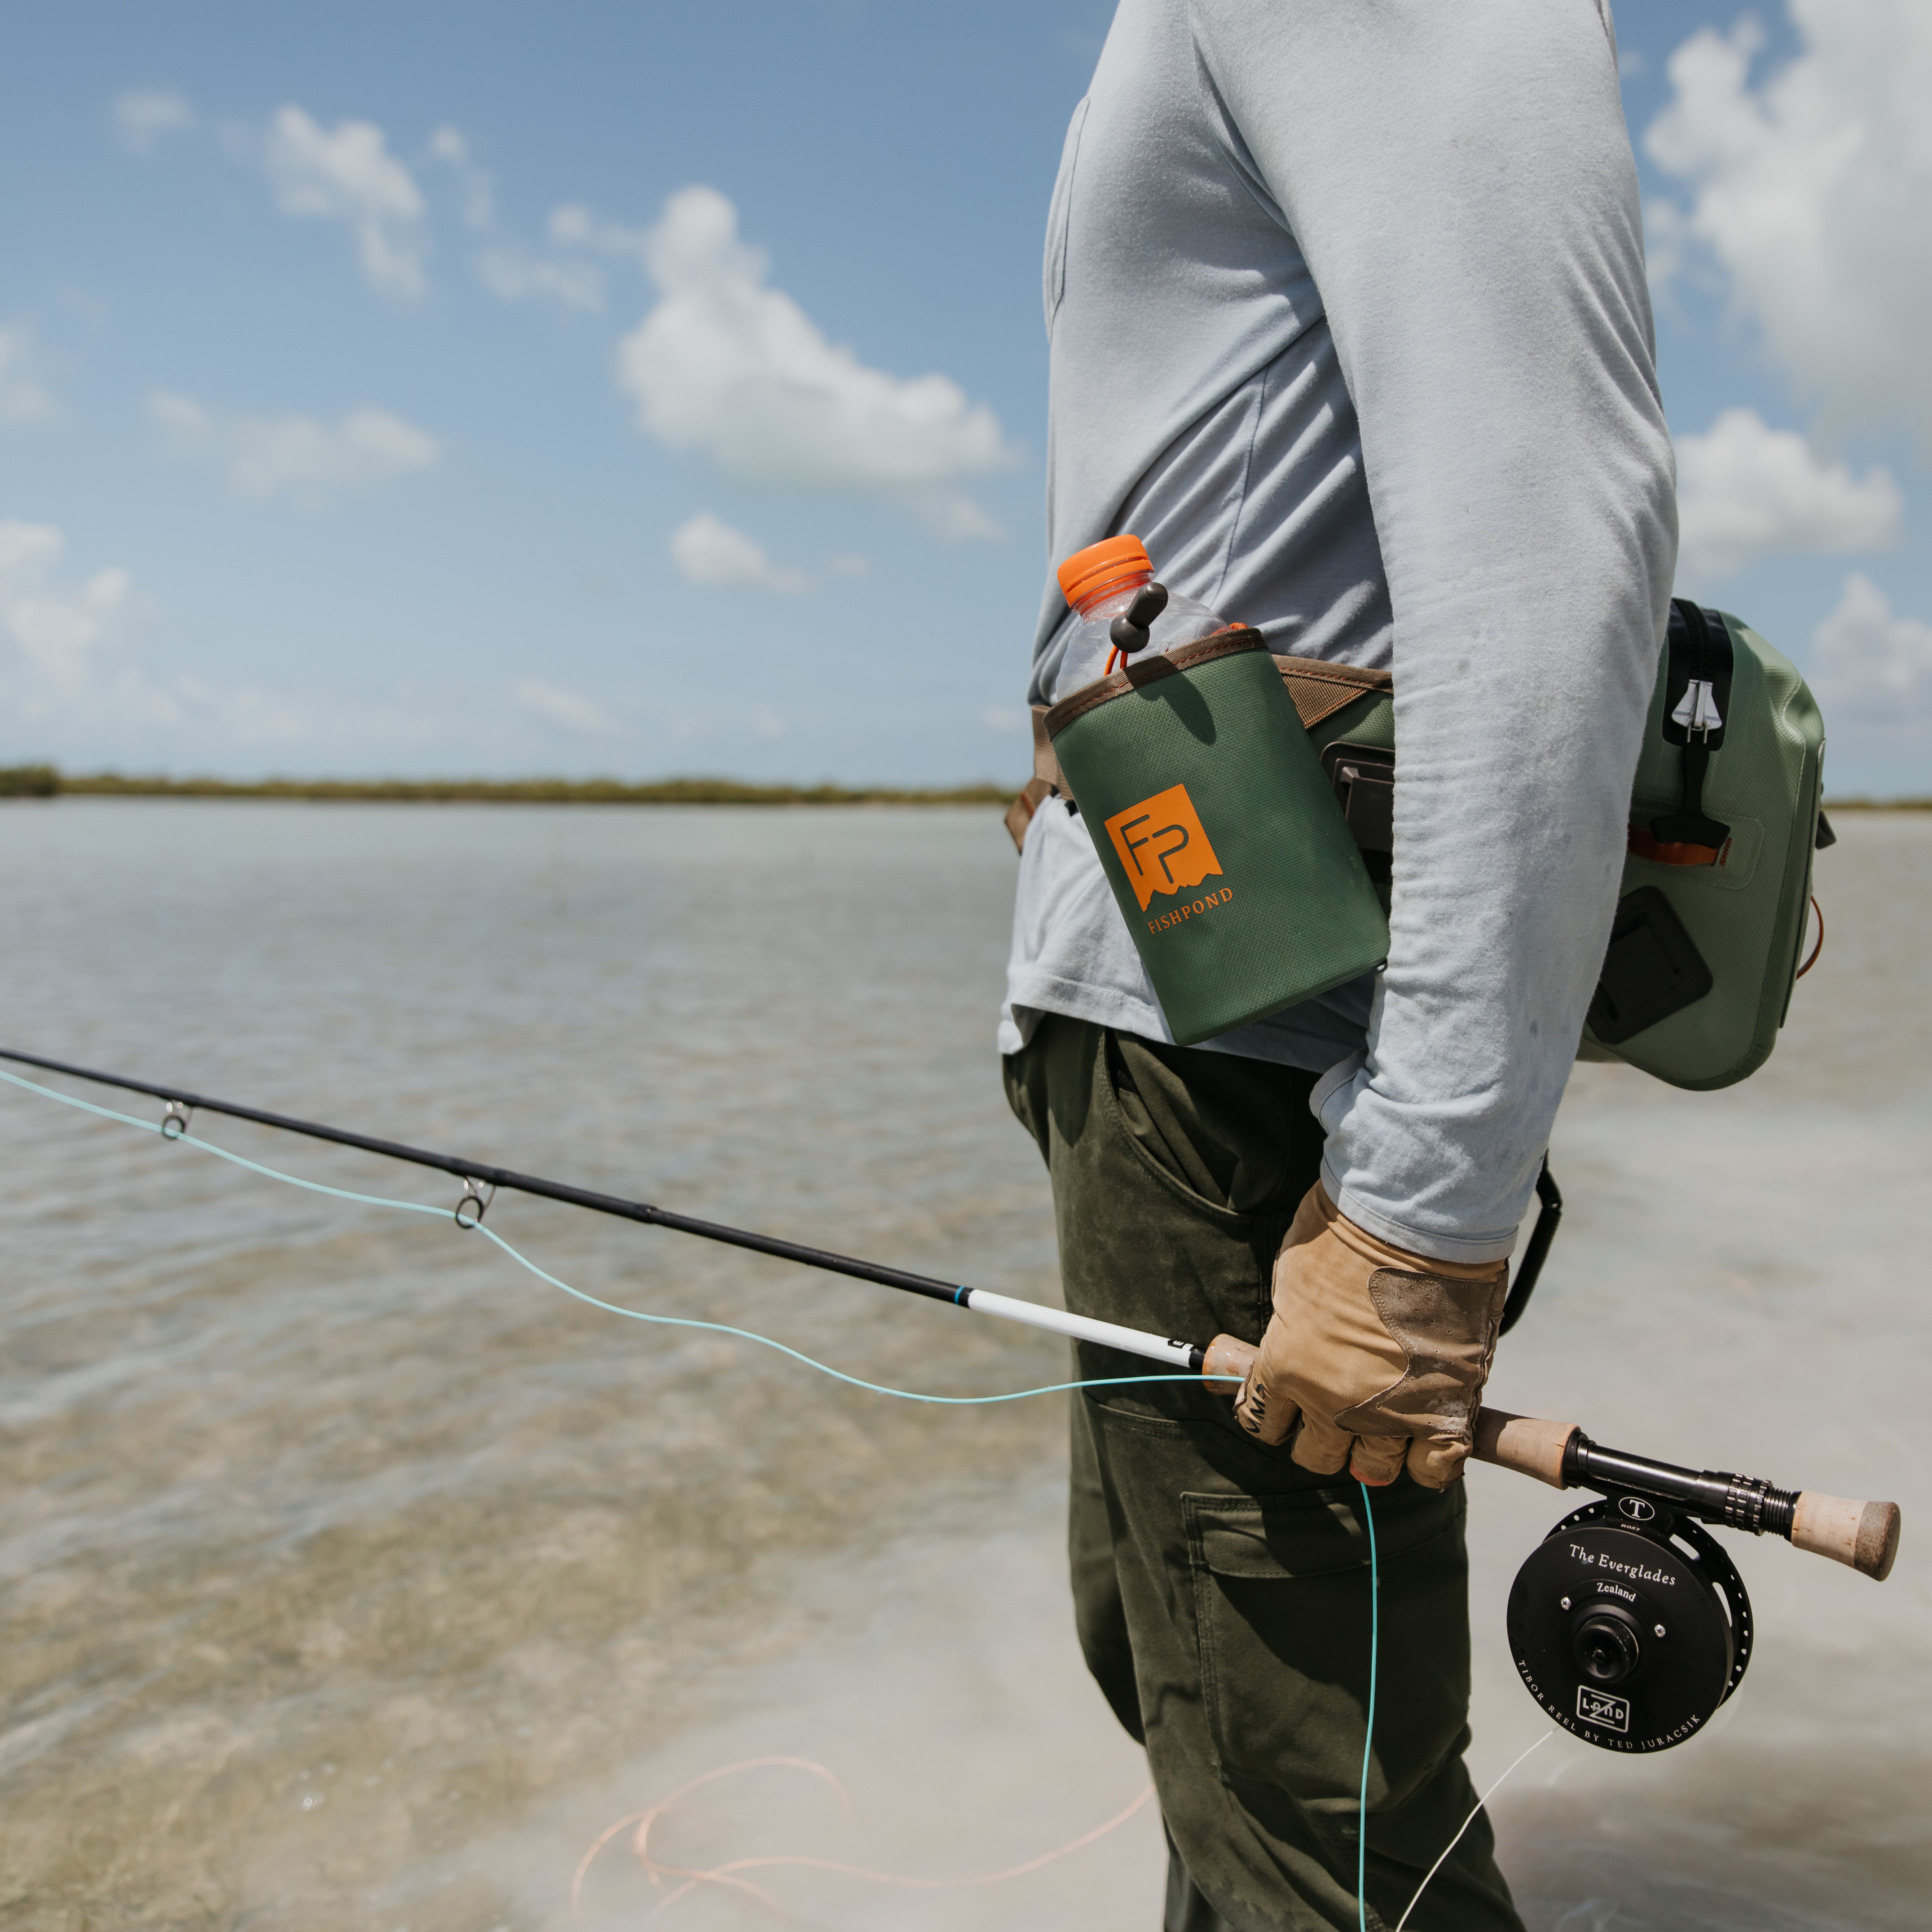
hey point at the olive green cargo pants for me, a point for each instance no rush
(1221, 1592)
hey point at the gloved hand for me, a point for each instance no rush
(1382, 1354)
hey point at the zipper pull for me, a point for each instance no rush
(1697, 709)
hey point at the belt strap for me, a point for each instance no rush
(1045, 765)
(1019, 814)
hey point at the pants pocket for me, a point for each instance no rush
(1283, 1619)
(1232, 1137)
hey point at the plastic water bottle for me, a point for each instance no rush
(1122, 612)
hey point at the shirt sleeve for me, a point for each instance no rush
(1460, 180)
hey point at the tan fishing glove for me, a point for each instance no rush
(1382, 1354)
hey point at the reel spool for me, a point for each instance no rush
(1629, 1625)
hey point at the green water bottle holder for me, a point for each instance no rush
(1231, 861)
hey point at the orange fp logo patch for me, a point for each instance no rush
(1162, 844)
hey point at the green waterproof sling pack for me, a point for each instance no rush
(1233, 868)
(1724, 818)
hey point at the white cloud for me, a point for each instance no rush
(556, 705)
(54, 625)
(144, 117)
(1746, 491)
(708, 551)
(248, 715)
(67, 671)
(479, 197)
(573, 225)
(514, 272)
(28, 551)
(1810, 189)
(996, 718)
(728, 366)
(1668, 256)
(1870, 664)
(506, 266)
(24, 398)
(347, 174)
(58, 662)
(951, 516)
(295, 456)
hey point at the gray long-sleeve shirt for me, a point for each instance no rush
(1348, 323)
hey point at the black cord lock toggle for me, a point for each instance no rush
(1130, 632)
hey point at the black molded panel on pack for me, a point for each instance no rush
(1652, 969)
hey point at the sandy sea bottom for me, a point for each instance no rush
(351, 1577)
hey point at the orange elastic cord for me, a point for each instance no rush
(1643, 846)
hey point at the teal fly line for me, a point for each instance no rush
(577, 1294)
(1369, 1720)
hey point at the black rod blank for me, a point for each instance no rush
(508, 1178)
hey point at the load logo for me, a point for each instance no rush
(1599, 1707)
(1162, 844)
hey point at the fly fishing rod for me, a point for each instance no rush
(1629, 1624)
(477, 1176)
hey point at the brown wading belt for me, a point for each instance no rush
(1319, 690)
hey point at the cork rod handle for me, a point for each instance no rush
(1522, 1443)
(1864, 1536)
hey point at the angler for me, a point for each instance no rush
(1349, 334)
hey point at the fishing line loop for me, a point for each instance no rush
(174, 1122)
(471, 1198)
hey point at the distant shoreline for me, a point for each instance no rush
(46, 781)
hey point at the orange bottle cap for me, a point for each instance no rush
(1113, 560)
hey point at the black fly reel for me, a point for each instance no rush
(1629, 1625)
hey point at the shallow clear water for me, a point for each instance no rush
(349, 1576)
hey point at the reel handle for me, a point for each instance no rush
(1864, 1536)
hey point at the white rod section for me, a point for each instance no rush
(1082, 1328)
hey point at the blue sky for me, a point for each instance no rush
(390, 389)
